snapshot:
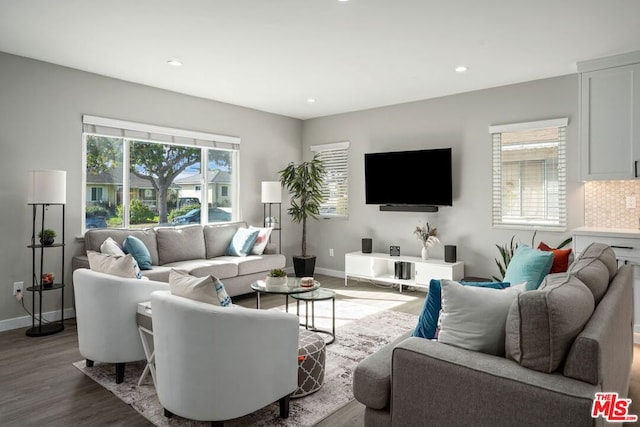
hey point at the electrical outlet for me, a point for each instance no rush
(631, 202)
(18, 286)
(330, 251)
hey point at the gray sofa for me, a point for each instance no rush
(198, 250)
(419, 382)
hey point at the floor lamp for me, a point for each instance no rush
(46, 188)
(272, 195)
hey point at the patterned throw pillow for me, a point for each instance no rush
(123, 266)
(261, 240)
(207, 289)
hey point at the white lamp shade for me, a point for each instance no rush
(47, 187)
(271, 192)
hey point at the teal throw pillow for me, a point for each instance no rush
(134, 246)
(242, 242)
(529, 265)
(428, 319)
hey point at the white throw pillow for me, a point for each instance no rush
(261, 240)
(123, 266)
(111, 247)
(474, 318)
(208, 289)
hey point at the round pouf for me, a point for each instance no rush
(311, 357)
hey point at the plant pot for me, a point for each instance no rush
(304, 266)
(47, 242)
(276, 281)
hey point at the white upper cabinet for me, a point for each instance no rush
(610, 117)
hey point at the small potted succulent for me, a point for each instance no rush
(47, 236)
(276, 277)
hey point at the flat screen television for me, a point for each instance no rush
(409, 178)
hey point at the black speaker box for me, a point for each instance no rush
(367, 246)
(450, 253)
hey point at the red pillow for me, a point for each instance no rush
(560, 258)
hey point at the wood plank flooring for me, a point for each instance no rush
(39, 386)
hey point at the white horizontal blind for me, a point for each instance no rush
(144, 132)
(529, 175)
(335, 185)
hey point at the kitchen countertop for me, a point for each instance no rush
(610, 232)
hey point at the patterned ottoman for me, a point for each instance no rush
(311, 356)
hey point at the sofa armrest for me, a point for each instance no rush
(439, 383)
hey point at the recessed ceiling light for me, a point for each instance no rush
(343, 0)
(311, 100)
(461, 68)
(174, 63)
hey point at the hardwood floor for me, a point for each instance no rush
(39, 386)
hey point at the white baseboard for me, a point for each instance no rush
(25, 321)
(332, 273)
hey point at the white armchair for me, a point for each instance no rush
(218, 363)
(106, 307)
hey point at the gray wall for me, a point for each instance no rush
(461, 122)
(41, 108)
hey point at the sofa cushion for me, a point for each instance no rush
(94, 238)
(255, 264)
(604, 253)
(543, 323)
(428, 319)
(474, 317)
(560, 258)
(528, 265)
(242, 242)
(594, 274)
(136, 247)
(218, 236)
(180, 243)
(207, 289)
(203, 267)
(122, 266)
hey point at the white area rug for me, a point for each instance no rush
(361, 330)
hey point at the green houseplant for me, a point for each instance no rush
(47, 236)
(276, 277)
(304, 184)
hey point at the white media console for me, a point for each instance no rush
(379, 267)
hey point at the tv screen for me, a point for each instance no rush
(420, 177)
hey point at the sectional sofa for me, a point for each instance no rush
(196, 249)
(416, 381)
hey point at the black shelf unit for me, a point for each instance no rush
(39, 327)
(266, 209)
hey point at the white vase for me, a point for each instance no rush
(425, 252)
(276, 281)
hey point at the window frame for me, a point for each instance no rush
(498, 219)
(140, 132)
(336, 158)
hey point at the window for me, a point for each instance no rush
(529, 175)
(335, 188)
(164, 168)
(224, 191)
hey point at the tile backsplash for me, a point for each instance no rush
(605, 204)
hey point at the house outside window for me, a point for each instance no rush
(96, 194)
(163, 166)
(335, 184)
(529, 175)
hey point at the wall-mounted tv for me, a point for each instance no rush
(409, 178)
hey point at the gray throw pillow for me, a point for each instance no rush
(542, 324)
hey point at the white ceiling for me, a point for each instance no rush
(272, 55)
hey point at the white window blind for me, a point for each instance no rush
(529, 175)
(145, 132)
(335, 188)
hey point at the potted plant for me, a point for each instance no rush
(47, 236)
(304, 183)
(276, 277)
